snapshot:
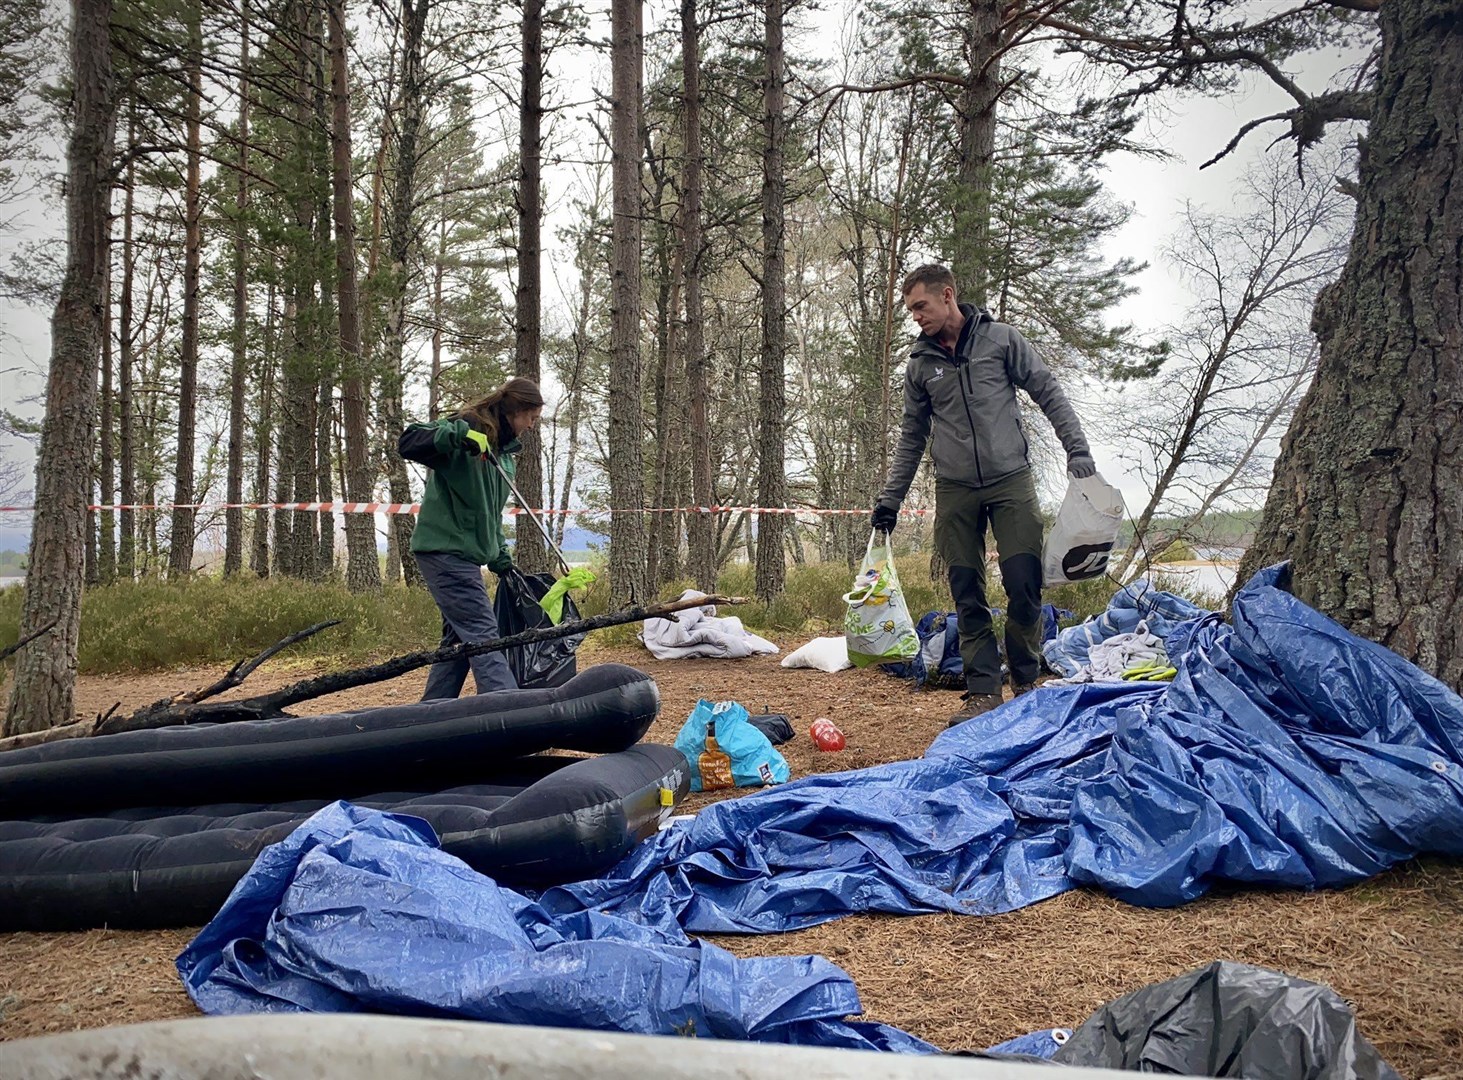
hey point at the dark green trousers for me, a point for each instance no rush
(962, 515)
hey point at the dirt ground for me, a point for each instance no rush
(1393, 946)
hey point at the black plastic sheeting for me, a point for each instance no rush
(544, 663)
(534, 821)
(424, 746)
(776, 726)
(1229, 1020)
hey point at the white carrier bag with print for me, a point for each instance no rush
(1082, 539)
(877, 626)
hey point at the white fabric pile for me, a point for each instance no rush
(823, 653)
(698, 632)
(1108, 659)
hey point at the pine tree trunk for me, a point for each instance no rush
(89, 545)
(285, 425)
(127, 479)
(573, 392)
(324, 488)
(664, 565)
(150, 453)
(297, 451)
(886, 417)
(400, 566)
(324, 327)
(971, 198)
(296, 542)
(45, 671)
(439, 318)
(234, 483)
(400, 238)
(529, 551)
(701, 527)
(384, 409)
(771, 574)
(107, 462)
(1367, 499)
(363, 571)
(660, 375)
(180, 539)
(263, 432)
(626, 451)
(393, 575)
(324, 475)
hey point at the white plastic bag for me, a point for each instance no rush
(1082, 539)
(877, 627)
(823, 653)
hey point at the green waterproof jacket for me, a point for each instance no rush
(462, 511)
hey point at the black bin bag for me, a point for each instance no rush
(1229, 1019)
(545, 663)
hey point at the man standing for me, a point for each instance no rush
(961, 381)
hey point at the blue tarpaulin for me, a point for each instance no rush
(359, 911)
(1286, 752)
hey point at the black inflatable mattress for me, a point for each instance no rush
(420, 746)
(80, 849)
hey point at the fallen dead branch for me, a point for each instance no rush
(11, 650)
(191, 707)
(235, 675)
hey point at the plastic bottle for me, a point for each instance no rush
(826, 736)
(714, 764)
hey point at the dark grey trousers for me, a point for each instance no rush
(467, 615)
(1010, 509)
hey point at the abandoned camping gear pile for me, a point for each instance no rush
(1286, 752)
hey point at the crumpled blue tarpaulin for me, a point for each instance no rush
(359, 911)
(1286, 752)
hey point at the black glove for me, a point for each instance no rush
(1081, 466)
(884, 518)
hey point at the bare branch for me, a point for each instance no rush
(1307, 121)
(11, 650)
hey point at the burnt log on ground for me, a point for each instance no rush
(192, 707)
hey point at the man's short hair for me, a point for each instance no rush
(931, 275)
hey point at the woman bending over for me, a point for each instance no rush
(460, 527)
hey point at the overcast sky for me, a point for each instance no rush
(1193, 130)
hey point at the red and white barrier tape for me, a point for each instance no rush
(414, 508)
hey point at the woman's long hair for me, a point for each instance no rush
(490, 414)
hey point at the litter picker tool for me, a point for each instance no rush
(523, 505)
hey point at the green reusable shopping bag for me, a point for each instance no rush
(878, 627)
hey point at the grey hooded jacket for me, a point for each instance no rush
(970, 402)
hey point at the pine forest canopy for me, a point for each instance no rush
(320, 221)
